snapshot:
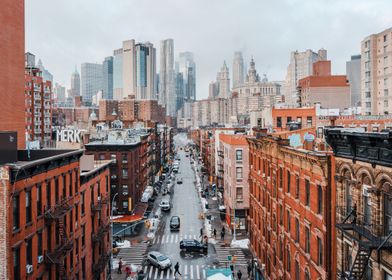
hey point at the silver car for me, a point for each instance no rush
(159, 260)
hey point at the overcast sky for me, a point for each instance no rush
(65, 34)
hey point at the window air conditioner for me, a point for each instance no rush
(29, 268)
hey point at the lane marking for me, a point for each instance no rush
(168, 273)
(176, 239)
(191, 271)
(167, 238)
(150, 274)
(185, 269)
(197, 272)
(204, 274)
(161, 274)
(156, 273)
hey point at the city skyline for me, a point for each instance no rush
(328, 30)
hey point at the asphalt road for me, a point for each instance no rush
(186, 205)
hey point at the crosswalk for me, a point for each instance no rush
(190, 272)
(173, 238)
(134, 255)
(224, 252)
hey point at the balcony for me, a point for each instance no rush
(100, 235)
(99, 267)
(57, 255)
(58, 211)
(97, 206)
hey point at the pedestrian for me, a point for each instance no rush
(177, 269)
(249, 267)
(223, 229)
(201, 232)
(215, 233)
(120, 263)
(222, 235)
(128, 271)
(239, 274)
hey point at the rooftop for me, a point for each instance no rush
(234, 139)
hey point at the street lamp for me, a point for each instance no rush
(111, 234)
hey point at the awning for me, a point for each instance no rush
(137, 215)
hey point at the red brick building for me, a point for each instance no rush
(281, 116)
(12, 105)
(291, 213)
(54, 230)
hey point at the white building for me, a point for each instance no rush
(301, 66)
(238, 69)
(223, 81)
(167, 93)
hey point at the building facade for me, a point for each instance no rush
(118, 74)
(75, 84)
(300, 66)
(238, 69)
(223, 81)
(353, 73)
(291, 211)
(91, 81)
(363, 200)
(167, 92)
(107, 78)
(376, 67)
(187, 67)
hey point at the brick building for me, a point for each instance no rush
(235, 153)
(73, 116)
(282, 116)
(108, 109)
(331, 91)
(12, 45)
(38, 105)
(51, 219)
(291, 211)
(364, 203)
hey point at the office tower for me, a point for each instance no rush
(212, 90)
(179, 90)
(59, 94)
(107, 78)
(139, 70)
(118, 74)
(376, 69)
(301, 66)
(238, 69)
(353, 72)
(187, 67)
(91, 81)
(166, 77)
(223, 79)
(46, 75)
(75, 84)
(12, 57)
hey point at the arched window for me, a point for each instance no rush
(297, 270)
(288, 259)
(307, 275)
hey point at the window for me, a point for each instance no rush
(307, 192)
(388, 213)
(288, 221)
(29, 251)
(288, 259)
(319, 199)
(124, 158)
(39, 241)
(83, 235)
(288, 120)
(297, 230)
(307, 240)
(238, 155)
(101, 156)
(125, 189)
(56, 186)
(83, 268)
(307, 275)
(238, 194)
(297, 277)
(279, 121)
(39, 200)
(113, 157)
(297, 187)
(348, 194)
(385, 38)
(319, 251)
(288, 181)
(83, 203)
(125, 173)
(16, 260)
(280, 214)
(309, 121)
(15, 212)
(125, 205)
(238, 171)
(28, 206)
(64, 186)
(280, 177)
(386, 93)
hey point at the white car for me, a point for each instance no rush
(159, 260)
(165, 205)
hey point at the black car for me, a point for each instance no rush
(193, 245)
(175, 223)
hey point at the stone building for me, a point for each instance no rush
(363, 203)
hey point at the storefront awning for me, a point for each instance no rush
(137, 215)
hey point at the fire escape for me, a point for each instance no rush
(56, 256)
(369, 237)
(98, 237)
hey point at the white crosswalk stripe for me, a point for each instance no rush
(134, 255)
(190, 272)
(172, 238)
(224, 252)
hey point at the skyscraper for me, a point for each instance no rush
(107, 78)
(139, 70)
(223, 80)
(179, 90)
(166, 77)
(353, 72)
(59, 93)
(238, 69)
(376, 65)
(91, 81)
(46, 75)
(187, 67)
(75, 84)
(118, 74)
(301, 66)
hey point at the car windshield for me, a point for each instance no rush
(162, 258)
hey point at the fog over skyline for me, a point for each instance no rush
(64, 34)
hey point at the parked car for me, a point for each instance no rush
(159, 260)
(179, 181)
(165, 205)
(192, 245)
(175, 223)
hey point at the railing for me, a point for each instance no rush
(99, 236)
(56, 212)
(56, 256)
(363, 228)
(99, 267)
(96, 207)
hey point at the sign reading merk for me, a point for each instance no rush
(68, 135)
